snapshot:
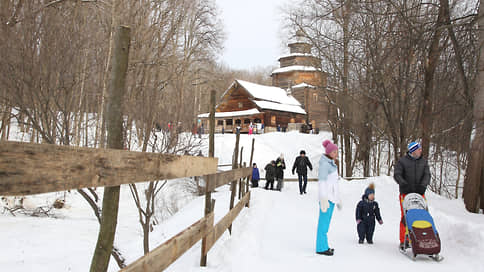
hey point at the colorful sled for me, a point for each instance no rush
(420, 232)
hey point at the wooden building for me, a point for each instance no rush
(245, 103)
(300, 71)
(296, 97)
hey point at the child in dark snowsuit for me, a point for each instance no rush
(255, 176)
(270, 174)
(366, 212)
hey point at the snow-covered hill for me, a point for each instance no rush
(277, 232)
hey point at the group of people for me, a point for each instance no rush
(274, 172)
(412, 174)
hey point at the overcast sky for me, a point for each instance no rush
(252, 30)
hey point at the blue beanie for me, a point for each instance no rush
(370, 189)
(413, 146)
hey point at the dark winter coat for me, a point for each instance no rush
(270, 172)
(301, 165)
(367, 210)
(280, 166)
(255, 174)
(412, 175)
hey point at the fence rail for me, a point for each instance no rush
(167, 253)
(27, 168)
(224, 223)
(316, 179)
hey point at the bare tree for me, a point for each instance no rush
(474, 181)
(393, 63)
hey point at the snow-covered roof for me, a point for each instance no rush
(303, 85)
(279, 107)
(297, 55)
(295, 68)
(269, 93)
(231, 113)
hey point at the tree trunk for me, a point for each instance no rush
(104, 246)
(430, 67)
(474, 179)
(346, 103)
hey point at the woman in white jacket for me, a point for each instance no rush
(328, 195)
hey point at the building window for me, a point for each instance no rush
(257, 120)
(229, 122)
(240, 105)
(238, 122)
(220, 122)
(246, 121)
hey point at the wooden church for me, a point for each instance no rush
(296, 97)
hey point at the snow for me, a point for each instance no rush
(294, 68)
(279, 107)
(269, 93)
(303, 85)
(231, 113)
(296, 55)
(277, 232)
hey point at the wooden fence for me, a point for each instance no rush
(27, 168)
(167, 253)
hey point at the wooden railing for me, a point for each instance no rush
(167, 253)
(27, 168)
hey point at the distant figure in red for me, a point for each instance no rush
(251, 129)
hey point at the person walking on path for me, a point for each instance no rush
(328, 196)
(412, 173)
(301, 165)
(270, 174)
(280, 166)
(366, 212)
(255, 176)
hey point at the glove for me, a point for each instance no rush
(358, 221)
(381, 222)
(324, 203)
(293, 172)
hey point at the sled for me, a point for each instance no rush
(421, 235)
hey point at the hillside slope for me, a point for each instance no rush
(277, 232)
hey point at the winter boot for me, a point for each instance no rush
(327, 253)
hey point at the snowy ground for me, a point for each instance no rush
(277, 232)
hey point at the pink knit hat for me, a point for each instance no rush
(329, 146)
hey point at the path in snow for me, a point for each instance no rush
(278, 233)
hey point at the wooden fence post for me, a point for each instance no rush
(209, 203)
(104, 246)
(211, 145)
(233, 185)
(241, 188)
(245, 181)
(250, 165)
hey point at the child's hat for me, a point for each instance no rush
(370, 190)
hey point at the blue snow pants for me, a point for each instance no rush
(323, 227)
